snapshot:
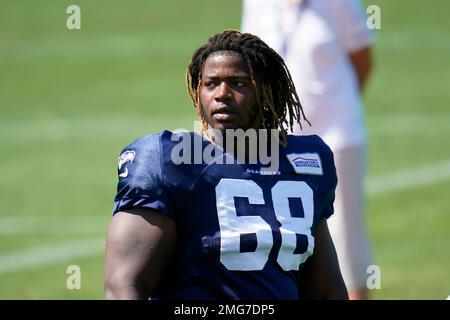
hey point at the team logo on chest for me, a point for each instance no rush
(306, 163)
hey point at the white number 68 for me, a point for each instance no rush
(232, 226)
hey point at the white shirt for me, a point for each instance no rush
(315, 38)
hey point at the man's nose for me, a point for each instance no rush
(223, 91)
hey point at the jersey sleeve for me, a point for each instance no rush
(140, 174)
(331, 179)
(351, 25)
(329, 205)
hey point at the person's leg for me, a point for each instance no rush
(347, 225)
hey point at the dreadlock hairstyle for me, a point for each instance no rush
(276, 96)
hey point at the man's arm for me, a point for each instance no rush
(320, 276)
(140, 242)
(361, 61)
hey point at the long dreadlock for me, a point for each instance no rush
(276, 96)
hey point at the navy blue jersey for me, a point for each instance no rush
(242, 233)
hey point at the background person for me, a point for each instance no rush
(327, 47)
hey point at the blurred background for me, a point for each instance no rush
(70, 100)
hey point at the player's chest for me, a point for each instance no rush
(225, 193)
(245, 218)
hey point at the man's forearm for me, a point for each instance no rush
(362, 63)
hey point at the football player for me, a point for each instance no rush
(226, 229)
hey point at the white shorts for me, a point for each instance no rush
(347, 224)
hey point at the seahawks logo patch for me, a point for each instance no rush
(127, 156)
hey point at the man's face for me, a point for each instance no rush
(227, 95)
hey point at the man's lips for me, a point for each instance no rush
(224, 117)
(224, 113)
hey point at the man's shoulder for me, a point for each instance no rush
(160, 152)
(313, 148)
(145, 152)
(310, 143)
(156, 140)
(143, 142)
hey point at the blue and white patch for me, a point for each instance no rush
(306, 163)
(127, 156)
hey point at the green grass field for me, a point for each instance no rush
(70, 100)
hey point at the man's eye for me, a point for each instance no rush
(239, 84)
(210, 84)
